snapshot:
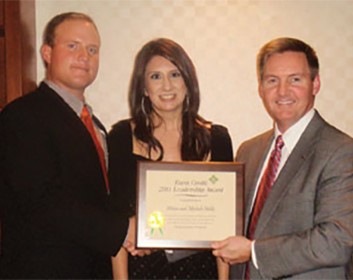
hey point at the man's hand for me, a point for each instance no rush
(235, 249)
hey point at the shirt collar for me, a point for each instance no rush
(292, 135)
(75, 103)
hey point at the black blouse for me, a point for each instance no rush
(123, 163)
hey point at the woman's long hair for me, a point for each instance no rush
(196, 138)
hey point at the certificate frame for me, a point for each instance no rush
(179, 206)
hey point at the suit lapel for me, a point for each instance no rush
(67, 115)
(62, 110)
(100, 125)
(67, 121)
(302, 152)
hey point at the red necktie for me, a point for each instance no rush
(87, 120)
(264, 189)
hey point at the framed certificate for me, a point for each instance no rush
(188, 204)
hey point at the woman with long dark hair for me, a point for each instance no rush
(164, 100)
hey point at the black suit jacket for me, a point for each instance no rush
(57, 221)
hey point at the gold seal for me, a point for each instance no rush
(156, 221)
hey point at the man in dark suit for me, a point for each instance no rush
(304, 228)
(56, 213)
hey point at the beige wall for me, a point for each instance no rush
(222, 37)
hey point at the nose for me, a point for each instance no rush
(83, 54)
(167, 83)
(283, 88)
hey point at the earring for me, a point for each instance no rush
(143, 109)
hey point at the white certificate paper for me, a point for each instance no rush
(188, 205)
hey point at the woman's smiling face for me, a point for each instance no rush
(165, 86)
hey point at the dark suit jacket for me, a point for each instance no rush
(57, 221)
(305, 229)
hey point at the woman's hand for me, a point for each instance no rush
(129, 243)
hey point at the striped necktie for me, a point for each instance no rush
(264, 189)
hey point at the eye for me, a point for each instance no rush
(72, 45)
(92, 50)
(295, 79)
(270, 81)
(175, 74)
(155, 76)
